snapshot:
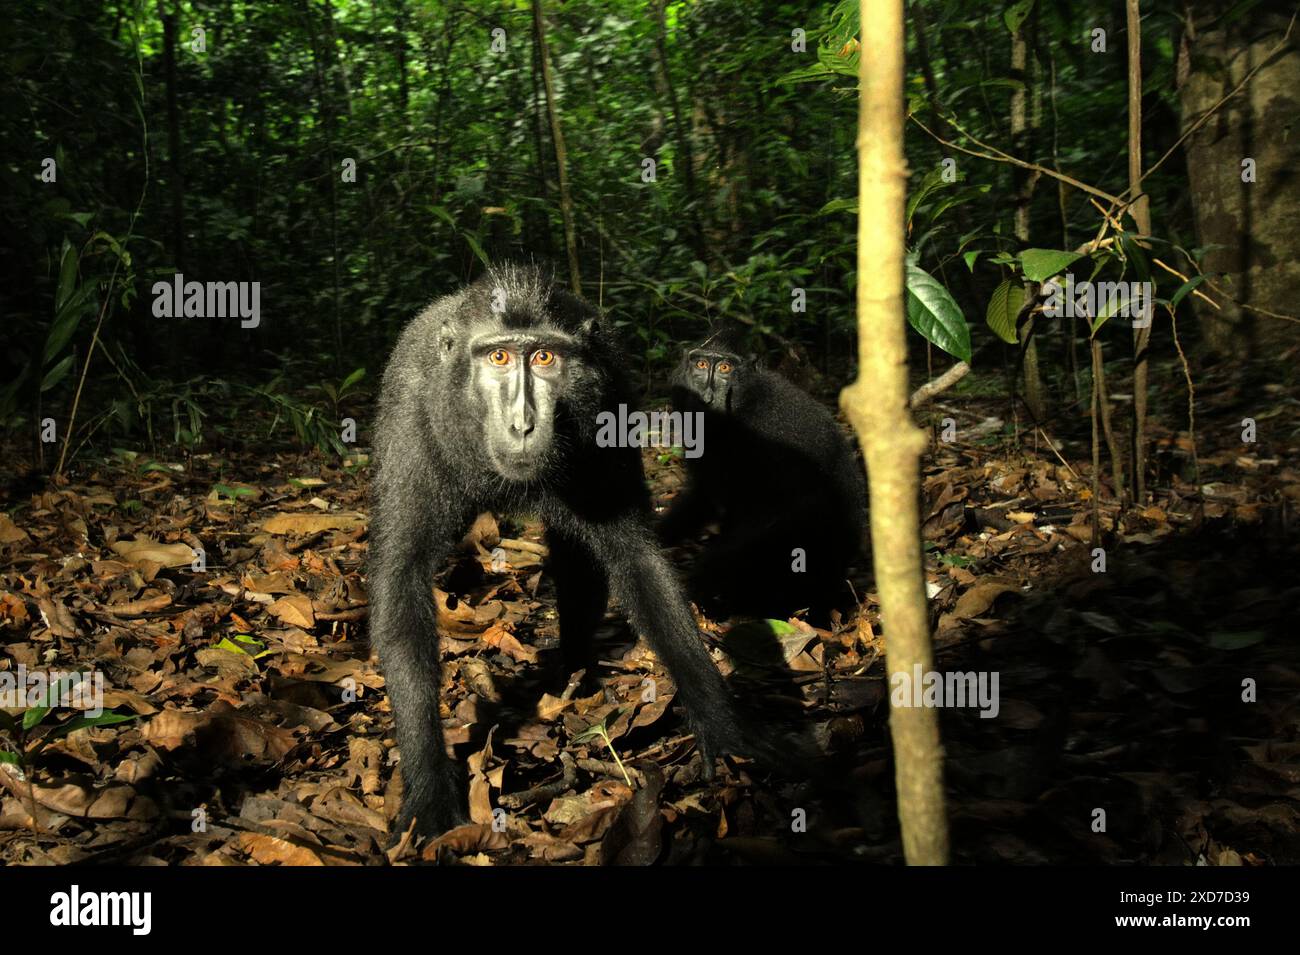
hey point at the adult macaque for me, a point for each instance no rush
(779, 477)
(490, 403)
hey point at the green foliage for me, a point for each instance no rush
(1004, 308)
(754, 193)
(38, 725)
(934, 313)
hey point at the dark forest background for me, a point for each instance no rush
(215, 140)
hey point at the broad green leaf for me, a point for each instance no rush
(1003, 309)
(1110, 298)
(839, 205)
(56, 374)
(1236, 639)
(1039, 265)
(11, 758)
(1135, 256)
(932, 181)
(1015, 14)
(66, 320)
(933, 313)
(970, 258)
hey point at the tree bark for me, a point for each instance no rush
(1250, 224)
(1141, 211)
(687, 165)
(876, 404)
(1033, 381)
(561, 155)
(177, 180)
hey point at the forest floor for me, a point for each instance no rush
(1147, 713)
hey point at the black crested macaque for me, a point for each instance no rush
(490, 403)
(778, 475)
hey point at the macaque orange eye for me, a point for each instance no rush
(543, 358)
(724, 367)
(701, 364)
(499, 357)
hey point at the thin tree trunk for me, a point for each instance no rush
(1142, 216)
(876, 404)
(1103, 400)
(1094, 414)
(561, 155)
(1024, 192)
(332, 173)
(177, 181)
(544, 220)
(679, 133)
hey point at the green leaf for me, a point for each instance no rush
(932, 181)
(1039, 265)
(1003, 310)
(782, 628)
(839, 205)
(352, 379)
(67, 275)
(13, 759)
(234, 493)
(1134, 255)
(1236, 639)
(228, 646)
(1114, 304)
(970, 258)
(33, 716)
(1015, 14)
(66, 320)
(56, 374)
(477, 249)
(81, 722)
(1185, 289)
(934, 314)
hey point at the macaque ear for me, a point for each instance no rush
(446, 337)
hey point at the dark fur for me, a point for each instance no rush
(436, 471)
(778, 474)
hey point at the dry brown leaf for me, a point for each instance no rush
(10, 533)
(307, 523)
(294, 610)
(144, 552)
(138, 608)
(268, 850)
(980, 598)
